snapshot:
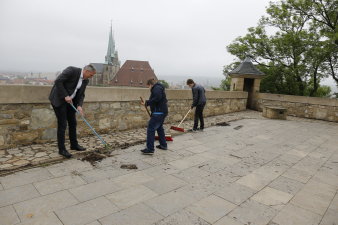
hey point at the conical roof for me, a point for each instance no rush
(246, 68)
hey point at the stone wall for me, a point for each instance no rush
(26, 116)
(300, 106)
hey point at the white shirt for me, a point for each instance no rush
(79, 83)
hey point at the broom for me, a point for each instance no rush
(106, 146)
(167, 136)
(178, 128)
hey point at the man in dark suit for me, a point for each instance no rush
(69, 88)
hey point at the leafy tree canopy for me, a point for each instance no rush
(295, 45)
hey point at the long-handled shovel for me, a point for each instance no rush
(97, 135)
(178, 128)
(167, 136)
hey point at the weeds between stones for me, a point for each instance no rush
(129, 166)
(223, 124)
(238, 127)
(94, 157)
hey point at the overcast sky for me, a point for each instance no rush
(177, 37)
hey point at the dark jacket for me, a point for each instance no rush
(158, 99)
(65, 85)
(198, 95)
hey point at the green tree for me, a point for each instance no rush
(296, 57)
(224, 86)
(164, 83)
(323, 15)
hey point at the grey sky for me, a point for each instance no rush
(177, 37)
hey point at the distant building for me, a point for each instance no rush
(106, 71)
(134, 74)
(3, 80)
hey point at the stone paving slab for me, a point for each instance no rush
(44, 205)
(252, 212)
(8, 215)
(268, 172)
(50, 219)
(58, 184)
(25, 177)
(292, 215)
(17, 194)
(86, 212)
(131, 196)
(138, 214)
(93, 190)
(182, 217)
(211, 208)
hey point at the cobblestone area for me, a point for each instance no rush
(36, 154)
(264, 172)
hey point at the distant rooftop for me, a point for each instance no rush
(246, 67)
(134, 73)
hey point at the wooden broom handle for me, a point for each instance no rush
(184, 117)
(145, 106)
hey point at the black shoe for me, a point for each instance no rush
(162, 147)
(78, 148)
(147, 152)
(65, 154)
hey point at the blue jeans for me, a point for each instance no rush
(156, 124)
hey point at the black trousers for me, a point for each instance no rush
(65, 113)
(199, 116)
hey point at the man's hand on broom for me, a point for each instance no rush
(142, 102)
(79, 108)
(68, 100)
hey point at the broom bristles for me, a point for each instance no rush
(177, 128)
(167, 138)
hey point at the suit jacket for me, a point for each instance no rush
(65, 85)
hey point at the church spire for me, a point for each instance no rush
(111, 47)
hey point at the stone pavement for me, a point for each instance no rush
(26, 156)
(265, 172)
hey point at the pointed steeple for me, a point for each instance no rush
(111, 47)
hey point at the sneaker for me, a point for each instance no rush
(192, 130)
(147, 152)
(200, 129)
(162, 147)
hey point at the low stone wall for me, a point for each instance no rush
(27, 117)
(300, 106)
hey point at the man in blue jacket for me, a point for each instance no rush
(199, 101)
(159, 110)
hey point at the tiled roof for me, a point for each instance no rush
(134, 73)
(246, 68)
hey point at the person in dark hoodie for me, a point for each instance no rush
(159, 110)
(199, 101)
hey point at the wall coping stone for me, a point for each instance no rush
(298, 99)
(18, 94)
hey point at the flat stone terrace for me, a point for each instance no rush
(255, 171)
